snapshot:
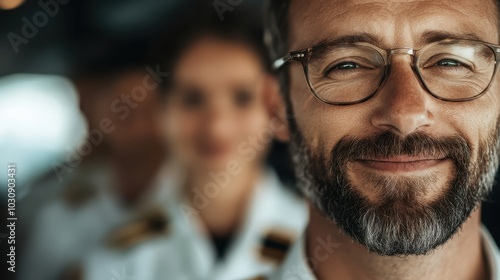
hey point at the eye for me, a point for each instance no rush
(449, 63)
(243, 97)
(192, 98)
(344, 66)
(348, 70)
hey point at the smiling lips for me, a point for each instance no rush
(403, 163)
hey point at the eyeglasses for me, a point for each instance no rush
(455, 70)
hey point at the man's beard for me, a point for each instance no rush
(399, 222)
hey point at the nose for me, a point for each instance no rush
(218, 122)
(403, 105)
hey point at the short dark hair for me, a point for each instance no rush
(276, 35)
(236, 31)
(276, 26)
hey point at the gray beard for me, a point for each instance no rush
(399, 224)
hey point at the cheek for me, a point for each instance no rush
(304, 107)
(256, 122)
(476, 120)
(181, 129)
(253, 124)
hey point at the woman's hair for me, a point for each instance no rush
(250, 36)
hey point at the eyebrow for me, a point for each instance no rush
(426, 38)
(321, 48)
(433, 36)
(348, 39)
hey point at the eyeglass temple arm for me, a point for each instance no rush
(297, 55)
(497, 53)
(278, 63)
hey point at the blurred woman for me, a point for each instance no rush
(222, 111)
(228, 216)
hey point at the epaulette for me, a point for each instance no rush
(258, 278)
(78, 193)
(275, 245)
(151, 224)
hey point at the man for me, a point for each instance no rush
(395, 135)
(108, 190)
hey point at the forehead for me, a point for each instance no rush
(396, 23)
(213, 61)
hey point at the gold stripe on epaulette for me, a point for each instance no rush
(154, 223)
(258, 278)
(76, 194)
(275, 245)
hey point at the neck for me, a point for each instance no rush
(460, 258)
(220, 200)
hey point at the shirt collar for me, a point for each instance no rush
(492, 254)
(296, 267)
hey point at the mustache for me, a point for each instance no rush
(389, 144)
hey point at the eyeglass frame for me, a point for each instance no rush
(304, 55)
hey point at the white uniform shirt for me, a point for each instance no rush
(63, 235)
(188, 253)
(273, 210)
(296, 268)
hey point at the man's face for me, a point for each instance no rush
(136, 130)
(401, 172)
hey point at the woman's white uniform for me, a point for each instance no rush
(274, 220)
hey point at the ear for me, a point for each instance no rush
(276, 108)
